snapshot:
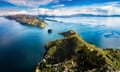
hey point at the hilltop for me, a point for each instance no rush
(28, 20)
(73, 54)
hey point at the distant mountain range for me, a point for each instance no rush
(80, 15)
(92, 15)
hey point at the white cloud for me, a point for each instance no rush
(57, 6)
(29, 3)
(11, 11)
(67, 0)
(111, 8)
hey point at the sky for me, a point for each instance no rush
(60, 7)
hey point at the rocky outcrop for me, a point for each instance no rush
(73, 54)
(28, 20)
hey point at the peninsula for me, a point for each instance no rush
(73, 54)
(28, 20)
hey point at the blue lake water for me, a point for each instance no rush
(22, 47)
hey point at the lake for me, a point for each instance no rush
(22, 47)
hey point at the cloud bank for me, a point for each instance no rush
(110, 8)
(30, 3)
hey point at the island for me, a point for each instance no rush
(73, 54)
(49, 30)
(28, 20)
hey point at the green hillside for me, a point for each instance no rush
(73, 54)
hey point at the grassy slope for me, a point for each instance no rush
(76, 55)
